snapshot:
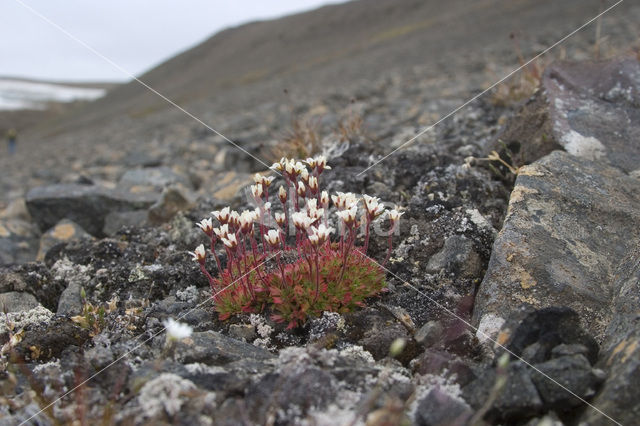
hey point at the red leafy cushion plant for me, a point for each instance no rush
(293, 281)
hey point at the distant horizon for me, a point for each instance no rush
(151, 39)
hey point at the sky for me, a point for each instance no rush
(134, 34)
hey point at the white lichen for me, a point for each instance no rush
(165, 393)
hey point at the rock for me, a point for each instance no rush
(246, 332)
(76, 276)
(574, 373)
(15, 301)
(213, 348)
(569, 222)
(536, 335)
(440, 409)
(86, 205)
(34, 278)
(618, 398)
(18, 241)
(46, 340)
(173, 199)
(17, 209)
(151, 179)
(64, 231)
(519, 398)
(457, 256)
(228, 185)
(588, 108)
(429, 334)
(115, 221)
(37, 315)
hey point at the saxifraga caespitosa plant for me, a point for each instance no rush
(265, 269)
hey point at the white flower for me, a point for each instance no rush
(394, 215)
(221, 215)
(230, 241)
(373, 207)
(282, 194)
(311, 162)
(301, 189)
(321, 163)
(301, 220)
(199, 255)
(256, 191)
(321, 233)
(234, 219)
(206, 225)
(280, 218)
(222, 231)
(272, 237)
(313, 184)
(246, 220)
(344, 201)
(304, 174)
(324, 199)
(348, 216)
(176, 330)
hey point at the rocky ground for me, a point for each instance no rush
(540, 262)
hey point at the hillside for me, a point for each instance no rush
(335, 47)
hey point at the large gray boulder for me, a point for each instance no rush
(86, 205)
(569, 222)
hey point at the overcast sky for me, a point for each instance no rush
(135, 34)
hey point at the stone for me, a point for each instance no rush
(618, 398)
(228, 185)
(591, 109)
(173, 199)
(439, 408)
(429, 334)
(151, 179)
(457, 256)
(34, 278)
(86, 205)
(569, 222)
(115, 221)
(538, 334)
(15, 301)
(212, 348)
(518, 399)
(18, 241)
(246, 332)
(573, 372)
(64, 231)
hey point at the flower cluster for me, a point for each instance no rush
(285, 261)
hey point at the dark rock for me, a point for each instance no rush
(457, 256)
(535, 334)
(441, 409)
(18, 241)
(15, 301)
(518, 399)
(33, 278)
(246, 332)
(115, 221)
(85, 205)
(618, 397)
(64, 231)
(591, 109)
(429, 334)
(151, 179)
(213, 348)
(569, 221)
(43, 342)
(311, 387)
(173, 199)
(573, 372)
